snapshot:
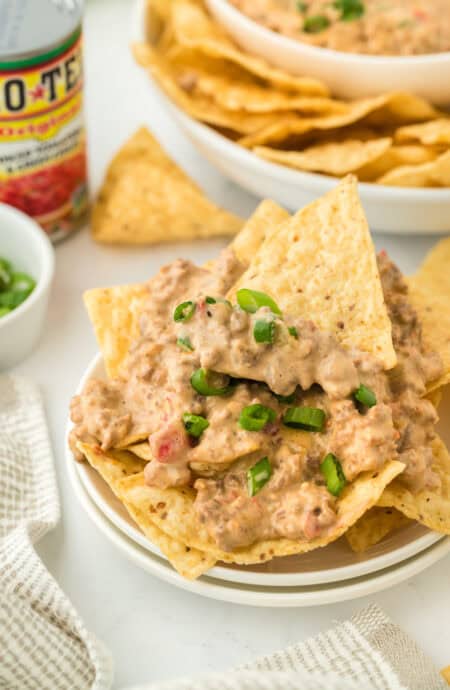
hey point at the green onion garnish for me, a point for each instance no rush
(4, 311)
(306, 418)
(252, 300)
(301, 6)
(255, 417)
(214, 300)
(185, 344)
(195, 424)
(331, 469)
(5, 274)
(315, 24)
(286, 399)
(365, 396)
(202, 381)
(264, 331)
(293, 331)
(258, 476)
(184, 311)
(349, 9)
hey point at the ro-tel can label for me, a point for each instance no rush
(42, 135)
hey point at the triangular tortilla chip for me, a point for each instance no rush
(146, 198)
(114, 314)
(113, 467)
(374, 526)
(321, 265)
(429, 291)
(331, 158)
(264, 221)
(435, 173)
(430, 507)
(428, 133)
(172, 510)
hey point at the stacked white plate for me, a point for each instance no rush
(323, 576)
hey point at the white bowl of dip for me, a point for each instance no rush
(348, 75)
(27, 247)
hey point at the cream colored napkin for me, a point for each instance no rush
(43, 642)
(45, 646)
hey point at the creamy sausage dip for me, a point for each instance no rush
(373, 27)
(201, 358)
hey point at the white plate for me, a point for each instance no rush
(389, 209)
(257, 596)
(335, 563)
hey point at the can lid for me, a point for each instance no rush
(28, 27)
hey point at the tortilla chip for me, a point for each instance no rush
(233, 88)
(436, 173)
(429, 292)
(199, 107)
(263, 222)
(428, 133)
(388, 109)
(406, 154)
(321, 265)
(332, 159)
(194, 29)
(172, 510)
(114, 313)
(374, 526)
(113, 466)
(146, 198)
(430, 507)
(142, 450)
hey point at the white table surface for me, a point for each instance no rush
(154, 630)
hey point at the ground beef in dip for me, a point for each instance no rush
(373, 27)
(154, 391)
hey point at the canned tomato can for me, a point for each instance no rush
(42, 136)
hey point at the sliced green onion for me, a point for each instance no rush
(315, 24)
(5, 274)
(195, 424)
(252, 300)
(184, 311)
(258, 476)
(185, 344)
(4, 311)
(264, 331)
(365, 396)
(255, 417)
(286, 399)
(306, 418)
(13, 298)
(301, 6)
(349, 9)
(214, 300)
(202, 381)
(293, 331)
(22, 282)
(331, 469)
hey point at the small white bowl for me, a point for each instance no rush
(348, 75)
(28, 248)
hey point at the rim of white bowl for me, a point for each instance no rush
(46, 250)
(351, 58)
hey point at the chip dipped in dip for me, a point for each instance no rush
(372, 27)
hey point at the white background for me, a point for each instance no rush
(154, 630)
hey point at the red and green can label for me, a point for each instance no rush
(42, 137)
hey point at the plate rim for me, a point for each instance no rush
(242, 575)
(246, 595)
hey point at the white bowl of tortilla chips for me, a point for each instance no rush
(326, 248)
(244, 115)
(349, 75)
